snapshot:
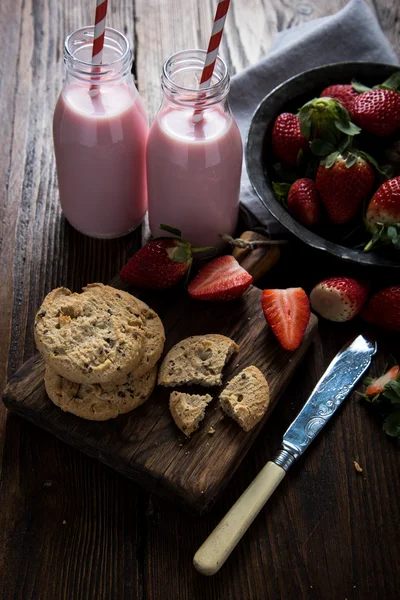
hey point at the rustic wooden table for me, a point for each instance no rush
(72, 528)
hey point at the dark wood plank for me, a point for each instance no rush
(145, 445)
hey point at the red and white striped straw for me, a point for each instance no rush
(99, 31)
(213, 47)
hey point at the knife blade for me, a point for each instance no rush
(336, 383)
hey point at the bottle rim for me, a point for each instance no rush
(193, 59)
(82, 38)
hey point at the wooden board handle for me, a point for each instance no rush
(210, 557)
(260, 260)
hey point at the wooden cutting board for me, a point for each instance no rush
(145, 444)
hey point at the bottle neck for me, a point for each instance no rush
(116, 59)
(180, 81)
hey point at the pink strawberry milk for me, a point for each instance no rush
(194, 157)
(100, 131)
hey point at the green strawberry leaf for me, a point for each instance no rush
(371, 160)
(345, 144)
(330, 160)
(392, 396)
(321, 147)
(359, 87)
(392, 424)
(377, 237)
(172, 230)
(179, 254)
(392, 83)
(392, 391)
(347, 127)
(350, 160)
(281, 191)
(392, 232)
(305, 126)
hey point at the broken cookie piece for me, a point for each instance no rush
(246, 397)
(188, 410)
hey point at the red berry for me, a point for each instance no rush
(377, 386)
(303, 202)
(152, 266)
(384, 206)
(339, 298)
(345, 94)
(383, 309)
(287, 139)
(344, 189)
(377, 111)
(221, 279)
(287, 313)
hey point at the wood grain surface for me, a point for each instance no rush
(146, 445)
(70, 528)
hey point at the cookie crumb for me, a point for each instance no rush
(47, 484)
(357, 467)
(64, 522)
(211, 431)
(180, 445)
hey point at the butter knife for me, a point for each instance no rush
(336, 383)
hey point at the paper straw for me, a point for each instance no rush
(212, 50)
(98, 40)
(99, 30)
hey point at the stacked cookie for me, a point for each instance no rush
(101, 349)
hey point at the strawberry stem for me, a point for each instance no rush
(173, 230)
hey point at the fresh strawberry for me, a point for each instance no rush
(303, 202)
(221, 279)
(154, 265)
(287, 140)
(382, 218)
(287, 313)
(344, 185)
(383, 309)
(345, 94)
(161, 263)
(377, 111)
(339, 298)
(378, 385)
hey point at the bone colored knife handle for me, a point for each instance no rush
(210, 557)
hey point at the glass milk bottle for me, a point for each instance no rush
(194, 158)
(100, 131)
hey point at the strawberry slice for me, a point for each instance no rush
(287, 313)
(221, 279)
(376, 387)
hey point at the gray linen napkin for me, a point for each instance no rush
(351, 34)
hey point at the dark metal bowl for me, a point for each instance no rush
(289, 96)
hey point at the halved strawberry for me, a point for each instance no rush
(287, 313)
(221, 279)
(376, 387)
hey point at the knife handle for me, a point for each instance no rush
(210, 557)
